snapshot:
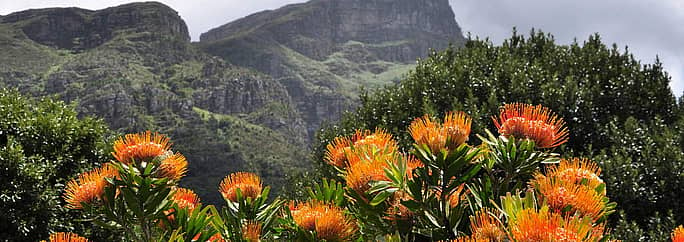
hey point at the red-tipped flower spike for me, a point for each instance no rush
(89, 187)
(249, 184)
(140, 147)
(66, 237)
(678, 234)
(536, 123)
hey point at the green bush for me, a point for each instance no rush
(601, 91)
(43, 144)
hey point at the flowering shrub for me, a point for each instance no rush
(510, 187)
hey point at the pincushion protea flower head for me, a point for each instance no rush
(361, 173)
(251, 231)
(581, 199)
(577, 171)
(185, 198)
(436, 136)
(678, 234)
(379, 140)
(89, 187)
(343, 151)
(249, 184)
(457, 128)
(327, 220)
(485, 227)
(536, 123)
(173, 167)
(337, 151)
(140, 147)
(541, 225)
(66, 237)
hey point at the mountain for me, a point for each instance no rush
(323, 51)
(247, 97)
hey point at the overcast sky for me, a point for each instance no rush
(648, 27)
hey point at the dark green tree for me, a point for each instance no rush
(43, 144)
(601, 91)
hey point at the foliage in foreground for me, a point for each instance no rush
(511, 187)
(622, 114)
(43, 144)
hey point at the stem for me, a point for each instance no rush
(445, 203)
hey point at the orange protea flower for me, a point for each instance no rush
(66, 237)
(411, 164)
(577, 170)
(427, 132)
(531, 225)
(89, 187)
(678, 234)
(360, 174)
(343, 152)
(249, 184)
(457, 128)
(581, 199)
(336, 152)
(140, 147)
(251, 231)
(486, 227)
(536, 123)
(379, 140)
(185, 198)
(327, 220)
(453, 133)
(542, 225)
(173, 167)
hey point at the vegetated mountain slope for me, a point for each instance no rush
(323, 51)
(247, 99)
(134, 66)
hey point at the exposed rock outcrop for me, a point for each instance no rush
(323, 51)
(77, 29)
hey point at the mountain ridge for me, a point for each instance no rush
(134, 66)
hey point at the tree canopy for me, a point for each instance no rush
(619, 111)
(43, 144)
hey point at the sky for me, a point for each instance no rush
(649, 27)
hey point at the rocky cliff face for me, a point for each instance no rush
(249, 96)
(134, 66)
(315, 29)
(75, 28)
(323, 51)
